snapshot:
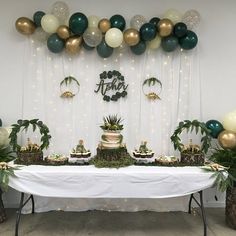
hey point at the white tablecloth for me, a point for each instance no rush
(129, 182)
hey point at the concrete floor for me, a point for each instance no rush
(117, 224)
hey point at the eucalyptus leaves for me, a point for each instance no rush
(35, 123)
(112, 86)
(190, 126)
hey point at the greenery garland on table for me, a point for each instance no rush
(112, 80)
(190, 126)
(36, 123)
(5, 172)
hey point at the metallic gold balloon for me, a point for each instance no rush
(25, 26)
(165, 27)
(104, 25)
(73, 44)
(63, 32)
(227, 139)
(131, 37)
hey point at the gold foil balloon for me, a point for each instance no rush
(104, 25)
(165, 27)
(63, 32)
(227, 139)
(73, 44)
(131, 37)
(25, 26)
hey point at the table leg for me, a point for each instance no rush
(2, 209)
(21, 206)
(201, 205)
(190, 204)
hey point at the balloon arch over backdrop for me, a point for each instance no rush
(61, 32)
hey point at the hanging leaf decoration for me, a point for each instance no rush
(67, 81)
(152, 82)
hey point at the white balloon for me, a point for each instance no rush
(229, 121)
(93, 21)
(173, 15)
(4, 137)
(155, 43)
(137, 21)
(61, 11)
(49, 23)
(191, 18)
(114, 37)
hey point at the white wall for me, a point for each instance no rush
(217, 50)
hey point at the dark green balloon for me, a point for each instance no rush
(78, 23)
(148, 31)
(0, 123)
(215, 127)
(169, 43)
(189, 41)
(55, 43)
(38, 15)
(87, 47)
(139, 48)
(118, 21)
(180, 29)
(154, 21)
(104, 50)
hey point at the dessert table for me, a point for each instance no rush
(128, 182)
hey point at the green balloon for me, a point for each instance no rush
(139, 48)
(118, 21)
(148, 31)
(38, 15)
(0, 123)
(189, 41)
(78, 23)
(215, 127)
(87, 47)
(155, 21)
(104, 50)
(169, 43)
(180, 29)
(55, 43)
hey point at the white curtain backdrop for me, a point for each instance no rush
(79, 118)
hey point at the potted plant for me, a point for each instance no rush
(227, 158)
(32, 152)
(192, 154)
(6, 155)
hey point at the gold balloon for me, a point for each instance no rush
(63, 32)
(227, 139)
(25, 26)
(165, 27)
(104, 25)
(131, 37)
(73, 44)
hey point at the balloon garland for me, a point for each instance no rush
(107, 34)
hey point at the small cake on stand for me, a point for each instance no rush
(143, 151)
(79, 154)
